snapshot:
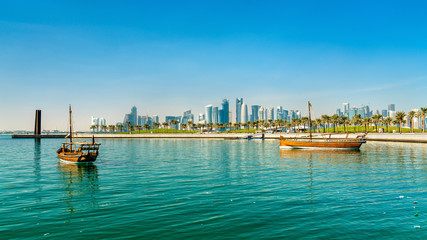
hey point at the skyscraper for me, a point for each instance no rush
(208, 113)
(391, 107)
(244, 118)
(261, 113)
(239, 102)
(270, 113)
(132, 117)
(215, 115)
(187, 116)
(346, 108)
(255, 110)
(384, 113)
(225, 108)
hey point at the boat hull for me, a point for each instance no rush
(77, 157)
(345, 145)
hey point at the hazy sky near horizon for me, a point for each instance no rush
(165, 57)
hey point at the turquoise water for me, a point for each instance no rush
(212, 189)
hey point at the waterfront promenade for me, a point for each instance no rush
(387, 137)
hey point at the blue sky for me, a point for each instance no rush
(165, 57)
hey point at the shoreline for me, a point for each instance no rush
(382, 137)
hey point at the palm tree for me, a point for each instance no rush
(335, 120)
(183, 126)
(119, 127)
(356, 120)
(377, 119)
(104, 128)
(209, 126)
(129, 126)
(387, 121)
(156, 125)
(423, 114)
(411, 116)
(93, 127)
(138, 128)
(97, 128)
(245, 125)
(366, 121)
(147, 126)
(400, 117)
(344, 120)
(236, 125)
(165, 125)
(326, 120)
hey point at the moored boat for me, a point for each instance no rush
(323, 143)
(77, 152)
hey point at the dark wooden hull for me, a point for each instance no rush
(345, 144)
(77, 157)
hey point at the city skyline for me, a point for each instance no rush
(169, 57)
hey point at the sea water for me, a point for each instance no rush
(212, 189)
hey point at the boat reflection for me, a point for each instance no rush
(325, 154)
(80, 183)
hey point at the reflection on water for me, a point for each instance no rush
(37, 168)
(80, 185)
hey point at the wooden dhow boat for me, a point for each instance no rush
(77, 152)
(322, 143)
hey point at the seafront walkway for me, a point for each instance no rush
(387, 137)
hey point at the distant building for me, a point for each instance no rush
(168, 119)
(384, 113)
(208, 113)
(346, 108)
(215, 115)
(239, 102)
(201, 118)
(187, 116)
(391, 108)
(132, 117)
(270, 113)
(338, 112)
(255, 110)
(156, 119)
(244, 113)
(224, 117)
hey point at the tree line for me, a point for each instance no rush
(323, 124)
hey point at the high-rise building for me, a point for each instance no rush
(239, 102)
(338, 112)
(346, 108)
(208, 113)
(187, 116)
(244, 118)
(391, 107)
(215, 115)
(255, 110)
(225, 114)
(384, 113)
(156, 119)
(261, 113)
(270, 113)
(102, 121)
(285, 114)
(131, 117)
(202, 118)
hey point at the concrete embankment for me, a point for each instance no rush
(39, 136)
(386, 137)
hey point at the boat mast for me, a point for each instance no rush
(71, 130)
(309, 119)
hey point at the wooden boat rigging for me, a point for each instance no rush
(77, 152)
(323, 143)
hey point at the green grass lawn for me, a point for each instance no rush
(159, 131)
(371, 129)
